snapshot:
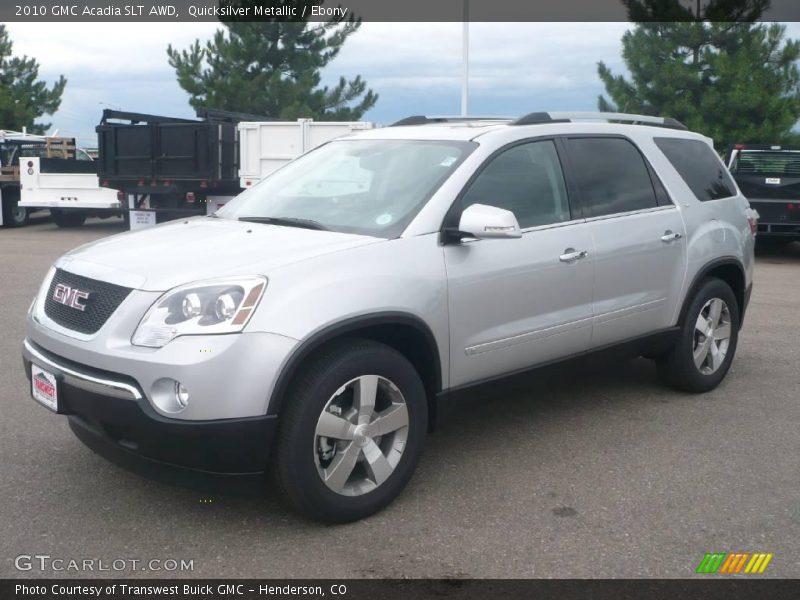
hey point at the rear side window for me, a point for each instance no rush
(762, 162)
(699, 168)
(611, 175)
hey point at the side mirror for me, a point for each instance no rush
(488, 222)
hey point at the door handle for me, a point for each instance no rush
(571, 255)
(670, 237)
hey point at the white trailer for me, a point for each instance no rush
(265, 146)
(69, 188)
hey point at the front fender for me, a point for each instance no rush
(404, 276)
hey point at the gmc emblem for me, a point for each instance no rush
(72, 297)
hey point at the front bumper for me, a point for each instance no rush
(228, 376)
(110, 413)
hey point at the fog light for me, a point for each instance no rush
(181, 395)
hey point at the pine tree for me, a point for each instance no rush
(272, 69)
(733, 81)
(23, 97)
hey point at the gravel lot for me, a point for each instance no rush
(590, 470)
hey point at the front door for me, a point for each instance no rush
(518, 302)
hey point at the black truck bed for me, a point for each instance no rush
(138, 150)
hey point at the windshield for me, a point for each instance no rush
(370, 187)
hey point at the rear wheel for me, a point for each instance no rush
(68, 218)
(352, 432)
(13, 214)
(707, 341)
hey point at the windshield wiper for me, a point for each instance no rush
(287, 221)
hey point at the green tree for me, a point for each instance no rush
(272, 69)
(733, 81)
(23, 97)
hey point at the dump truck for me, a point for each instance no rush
(166, 167)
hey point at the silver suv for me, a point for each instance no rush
(312, 323)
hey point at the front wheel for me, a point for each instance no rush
(707, 341)
(352, 431)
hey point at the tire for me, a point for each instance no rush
(68, 218)
(13, 214)
(695, 364)
(331, 383)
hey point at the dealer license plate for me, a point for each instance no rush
(44, 387)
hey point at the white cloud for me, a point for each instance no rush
(505, 57)
(104, 48)
(415, 67)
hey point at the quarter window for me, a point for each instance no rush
(527, 180)
(611, 175)
(699, 168)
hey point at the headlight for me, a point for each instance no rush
(200, 308)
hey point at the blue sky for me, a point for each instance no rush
(415, 67)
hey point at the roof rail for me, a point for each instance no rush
(565, 117)
(423, 120)
(536, 118)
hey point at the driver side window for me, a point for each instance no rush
(527, 180)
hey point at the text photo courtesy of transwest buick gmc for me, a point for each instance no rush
(306, 330)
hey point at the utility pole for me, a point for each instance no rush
(465, 58)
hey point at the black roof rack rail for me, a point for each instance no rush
(218, 114)
(204, 114)
(567, 117)
(536, 118)
(423, 120)
(135, 117)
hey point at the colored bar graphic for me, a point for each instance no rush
(759, 562)
(734, 562)
(711, 562)
(741, 562)
(731, 563)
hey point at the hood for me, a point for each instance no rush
(171, 254)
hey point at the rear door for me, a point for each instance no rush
(638, 235)
(514, 303)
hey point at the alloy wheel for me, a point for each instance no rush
(712, 336)
(361, 435)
